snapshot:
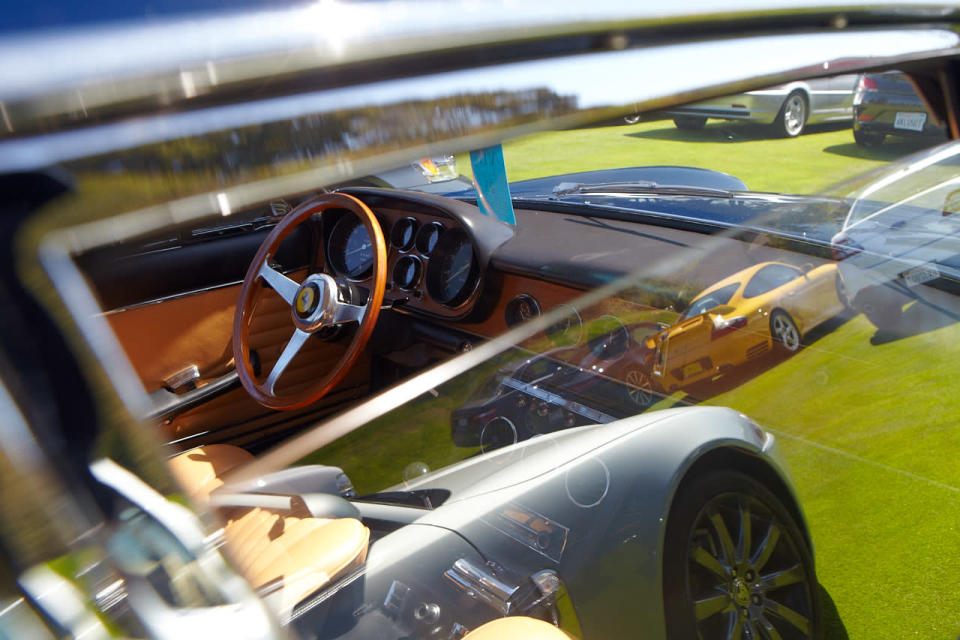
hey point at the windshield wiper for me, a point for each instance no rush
(636, 188)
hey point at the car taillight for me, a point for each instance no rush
(843, 247)
(863, 85)
(722, 326)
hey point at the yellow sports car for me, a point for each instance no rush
(741, 318)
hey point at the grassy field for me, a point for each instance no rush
(867, 420)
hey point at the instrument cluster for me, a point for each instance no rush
(432, 261)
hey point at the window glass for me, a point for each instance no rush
(769, 278)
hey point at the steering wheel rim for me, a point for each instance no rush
(314, 304)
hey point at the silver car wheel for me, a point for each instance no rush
(784, 331)
(793, 115)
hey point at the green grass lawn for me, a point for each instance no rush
(867, 421)
(807, 164)
(870, 433)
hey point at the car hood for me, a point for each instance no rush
(806, 218)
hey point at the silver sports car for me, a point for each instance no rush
(787, 108)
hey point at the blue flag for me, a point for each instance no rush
(490, 178)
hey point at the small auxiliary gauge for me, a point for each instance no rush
(522, 308)
(404, 233)
(428, 236)
(406, 273)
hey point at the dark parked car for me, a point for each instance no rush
(886, 104)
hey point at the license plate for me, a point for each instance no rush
(691, 369)
(910, 121)
(919, 275)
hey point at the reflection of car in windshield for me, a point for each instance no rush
(788, 108)
(605, 379)
(741, 318)
(901, 238)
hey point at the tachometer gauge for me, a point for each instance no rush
(406, 273)
(349, 248)
(428, 236)
(452, 274)
(403, 234)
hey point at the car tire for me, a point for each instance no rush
(690, 123)
(784, 331)
(792, 118)
(868, 138)
(717, 578)
(633, 118)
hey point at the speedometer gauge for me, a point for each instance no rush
(452, 274)
(349, 248)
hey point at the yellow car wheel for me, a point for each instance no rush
(784, 331)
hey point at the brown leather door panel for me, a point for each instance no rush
(165, 337)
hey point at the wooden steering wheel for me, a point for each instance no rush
(314, 304)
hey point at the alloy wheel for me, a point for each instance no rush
(785, 331)
(639, 388)
(746, 577)
(793, 116)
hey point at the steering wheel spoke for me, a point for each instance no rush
(296, 341)
(284, 286)
(348, 313)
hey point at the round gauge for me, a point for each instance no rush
(349, 248)
(428, 237)
(452, 274)
(406, 273)
(403, 234)
(607, 337)
(567, 331)
(520, 309)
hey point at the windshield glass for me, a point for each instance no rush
(511, 398)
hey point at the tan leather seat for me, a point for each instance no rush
(517, 628)
(200, 471)
(286, 556)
